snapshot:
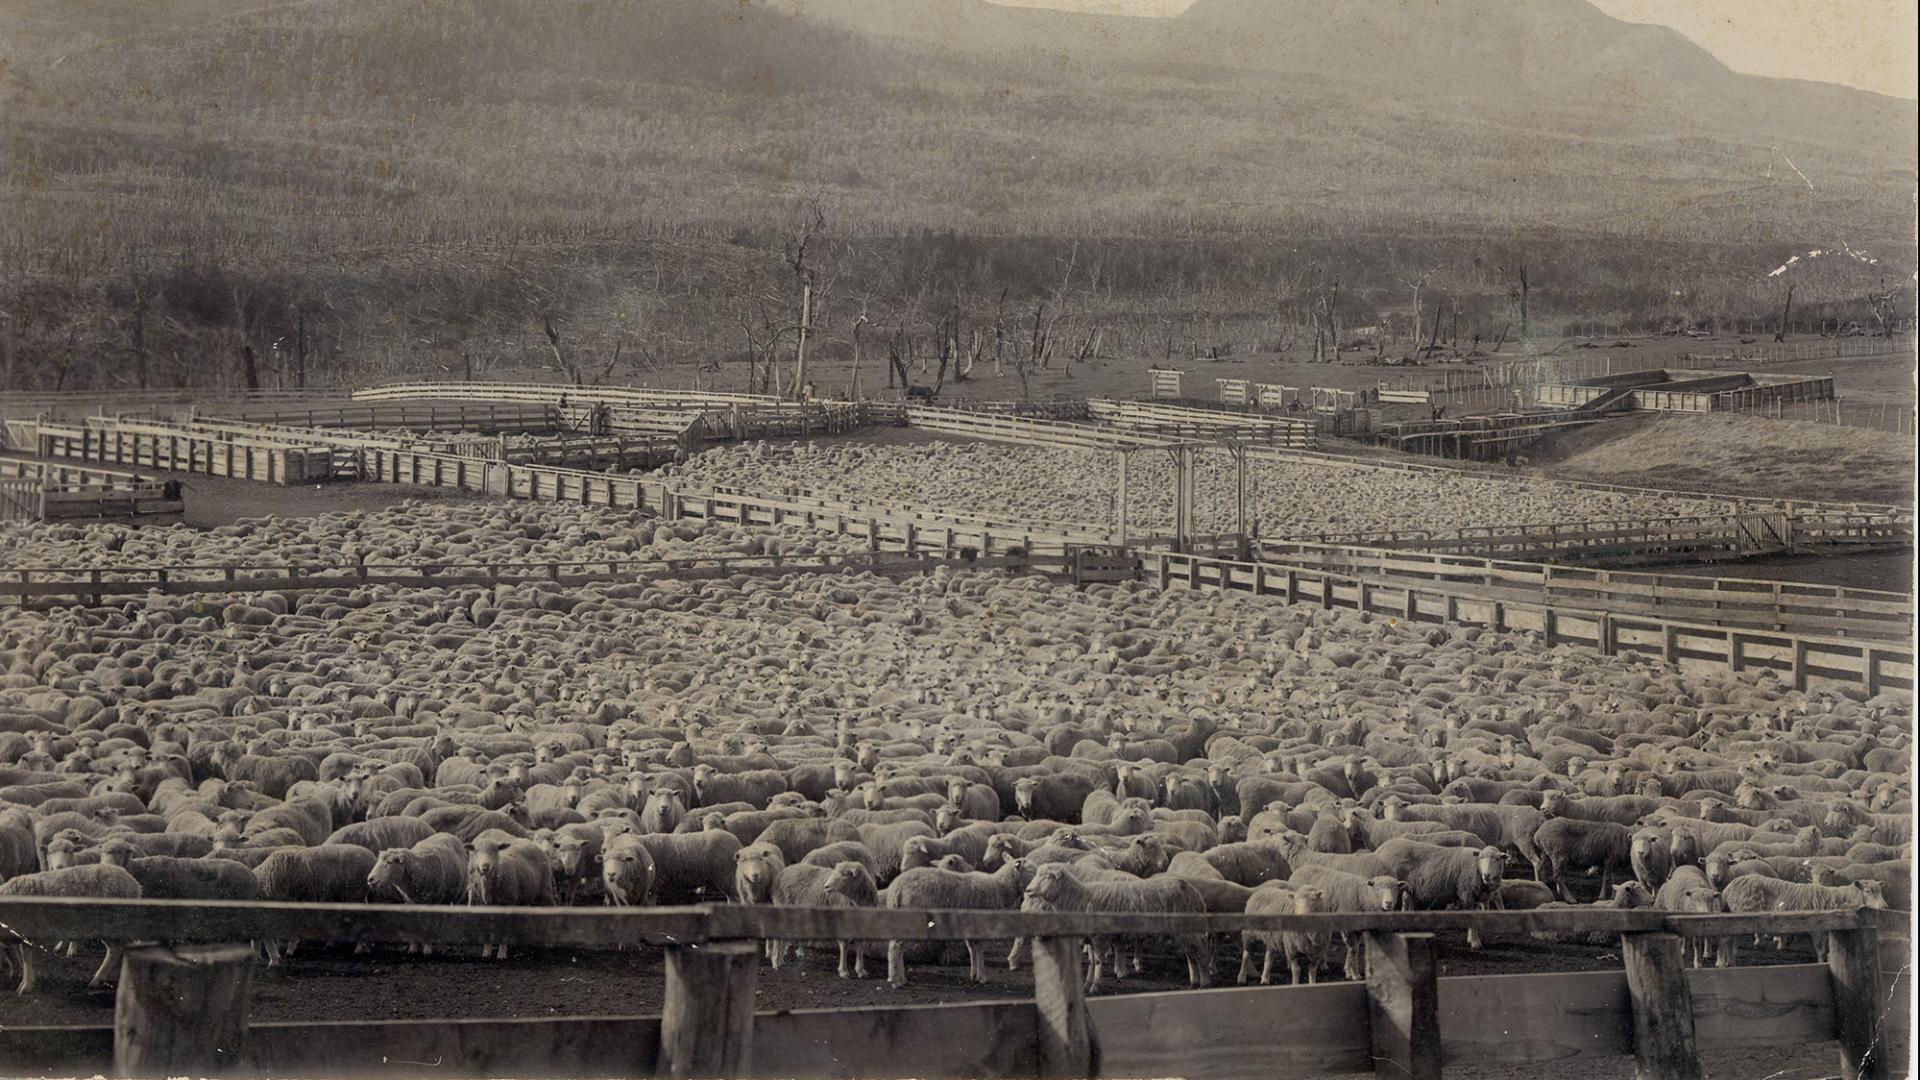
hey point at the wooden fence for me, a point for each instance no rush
(94, 585)
(1175, 421)
(1871, 664)
(1706, 538)
(562, 394)
(1789, 607)
(47, 491)
(1029, 432)
(1403, 1021)
(178, 448)
(487, 417)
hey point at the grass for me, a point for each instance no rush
(1741, 455)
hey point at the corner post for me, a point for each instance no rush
(1663, 1039)
(1403, 1005)
(1059, 994)
(706, 1026)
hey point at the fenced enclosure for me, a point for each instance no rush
(1403, 1020)
(45, 491)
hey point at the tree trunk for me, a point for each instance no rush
(300, 351)
(250, 368)
(806, 324)
(140, 335)
(1525, 287)
(1786, 315)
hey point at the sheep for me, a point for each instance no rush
(1448, 877)
(1687, 890)
(755, 868)
(627, 871)
(758, 787)
(887, 843)
(100, 881)
(1756, 893)
(382, 833)
(432, 870)
(846, 884)
(509, 872)
(662, 812)
(687, 864)
(1570, 844)
(943, 890)
(796, 837)
(1053, 888)
(1058, 797)
(468, 822)
(1251, 863)
(576, 852)
(1650, 857)
(839, 852)
(1304, 951)
(1341, 891)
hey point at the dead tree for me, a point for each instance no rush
(1786, 317)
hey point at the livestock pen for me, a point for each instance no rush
(183, 1005)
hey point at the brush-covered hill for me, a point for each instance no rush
(438, 155)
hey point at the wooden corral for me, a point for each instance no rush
(262, 457)
(1663, 390)
(1790, 607)
(45, 491)
(489, 417)
(1871, 664)
(1708, 538)
(1175, 421)
(1403, 1020)
(639, 397)
(75, 404)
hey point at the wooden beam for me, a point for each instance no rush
(1663, 1039)
(1853, 962)
(706, 1026)
(1059, 992)
(1403, 1003)
(182, 1011)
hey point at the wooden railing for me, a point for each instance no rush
(489, 416)
(1791, 607)
(94, 584)
(560, 394)
(1700, 538)
(1403, 1021)
(21, 499)
(1871, 664)
(1185, 422)
(48, 491)
(1028, 432)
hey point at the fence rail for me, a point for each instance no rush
(1767, 605)
(563, 394)
(1404, 1020)
(1871, 664)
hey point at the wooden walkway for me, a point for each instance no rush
(1403, 1021)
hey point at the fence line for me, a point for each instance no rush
(708, 1029)
(1871, 664)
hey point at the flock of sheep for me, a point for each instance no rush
(1286, 497)
(951, 740)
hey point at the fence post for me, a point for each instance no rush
(1403, 1004)
(1853, 966)
(182, 1011)
(1663, 1041)
(706, 1023)
(1059, 995)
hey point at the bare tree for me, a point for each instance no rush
(1786, 316)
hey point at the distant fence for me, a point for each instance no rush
(1791, 607)
(1173, 421)
(563, 394)
(1872, 665)
(1675, 539)
(1403, 1021)
(412, 416)
(45, 491)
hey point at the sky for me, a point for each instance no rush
(1868, 44)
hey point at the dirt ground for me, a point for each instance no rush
(328, 983)
(213, 501)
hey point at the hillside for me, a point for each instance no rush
(469, 163)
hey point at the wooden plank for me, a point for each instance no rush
(1066, 1039)
(1517, 1019)
(1853, 964)
(1663, 1037)
(706, 1026)
(937, 1042)
(1256, 1033)
(1403, 1005)
(182, 1011)
(1785, 1005)
(226, 920)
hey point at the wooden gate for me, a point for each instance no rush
(1760, 534)
(1098, 565)
(1166, 384)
